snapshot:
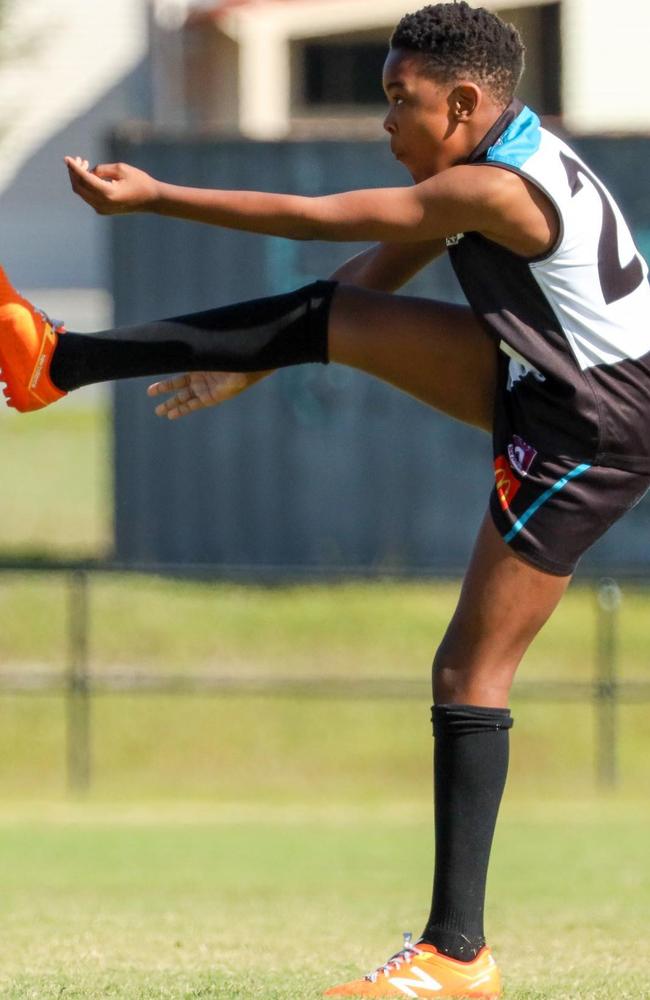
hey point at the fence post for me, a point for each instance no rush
(606, 684)
(78, 695)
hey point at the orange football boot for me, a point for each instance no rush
(421, 971)
(27, 342)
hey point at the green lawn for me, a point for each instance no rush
(266, 846)
(204, 745)
(57, 495)
(279, 903)
(360, 629)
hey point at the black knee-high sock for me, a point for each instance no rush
(470, 767)
(251, 336)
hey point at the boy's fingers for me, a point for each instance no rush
(76, 181)
(182, 396)
(82, 177)
(169, 404)
(75, 164)
(171, 409)
(179, 406)
(81, 185)
(82, 190)
(163, 408)
(108, 171)
(168, 385)
(189, 406)
(93, 183)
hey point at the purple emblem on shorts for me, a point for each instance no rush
(520, 455)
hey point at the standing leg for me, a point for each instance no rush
(504, 602)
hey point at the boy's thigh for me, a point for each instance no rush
(435, 351)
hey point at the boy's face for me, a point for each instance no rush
(424, 134)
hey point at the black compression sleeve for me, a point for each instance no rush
(267, 333)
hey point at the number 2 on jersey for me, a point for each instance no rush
(615, 281)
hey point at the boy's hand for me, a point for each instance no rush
(198, 390)
(112, 188)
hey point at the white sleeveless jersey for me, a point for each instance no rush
(575, 323)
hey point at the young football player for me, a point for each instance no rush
(552, 357)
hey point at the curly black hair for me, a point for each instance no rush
(462, 41)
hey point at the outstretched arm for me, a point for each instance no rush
(388, 214)
(497, 203)
(385, 267)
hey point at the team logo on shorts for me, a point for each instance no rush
(521, 455)
(507, 483)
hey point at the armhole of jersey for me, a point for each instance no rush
(540, 258)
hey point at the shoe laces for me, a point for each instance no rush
(403, 957)
(57, 325)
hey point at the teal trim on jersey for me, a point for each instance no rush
(519, 141)
(526, 516)
(642, 240)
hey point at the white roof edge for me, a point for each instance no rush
(306, 18)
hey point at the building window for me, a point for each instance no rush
(340, 73)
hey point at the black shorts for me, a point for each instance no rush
(551, 509)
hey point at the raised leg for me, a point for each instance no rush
(434, 351)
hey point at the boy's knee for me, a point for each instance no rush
(449, 678)
(463, 676)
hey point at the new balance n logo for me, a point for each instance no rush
(422, 981)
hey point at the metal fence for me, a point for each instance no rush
(606, 691)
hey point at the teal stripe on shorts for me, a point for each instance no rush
(555, 488)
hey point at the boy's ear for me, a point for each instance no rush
(464, 100)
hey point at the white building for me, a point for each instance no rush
(71, 70)
(271, 68)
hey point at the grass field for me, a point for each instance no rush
(58, 463)
(206, 745)
(278, 903)
(267, 847)
(250, 846)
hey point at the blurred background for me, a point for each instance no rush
(301, 548)
(216, 635)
